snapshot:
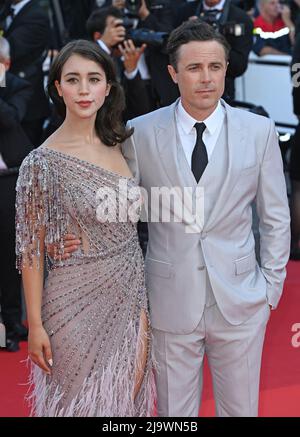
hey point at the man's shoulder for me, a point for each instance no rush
(250, 118)
(33, 11)
(239, 15)
(153, 118)
(15, 83)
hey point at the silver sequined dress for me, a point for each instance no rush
(92, 303)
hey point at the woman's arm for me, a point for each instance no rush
(39, 348)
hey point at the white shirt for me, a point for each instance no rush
(218, 7)
(17, 8)
(187, 132)
(3, 166)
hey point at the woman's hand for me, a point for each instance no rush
(39, 348)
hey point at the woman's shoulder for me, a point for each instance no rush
(34, 168)
(36, 156)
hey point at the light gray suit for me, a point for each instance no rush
(206, 291)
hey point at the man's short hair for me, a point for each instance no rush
(193, 30)
(4, 48)
(97, 20)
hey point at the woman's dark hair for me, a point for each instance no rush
(193, 30)
(109, 125)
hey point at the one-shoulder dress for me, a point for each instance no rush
(93, 302)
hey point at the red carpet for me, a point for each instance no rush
(280, 378)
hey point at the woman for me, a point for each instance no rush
(89, 333)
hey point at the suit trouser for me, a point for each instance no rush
(234, 355)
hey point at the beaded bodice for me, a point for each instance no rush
(64, 194)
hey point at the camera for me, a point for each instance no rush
(133, 6)
(141, 36)
(221, 24)
(146, 36)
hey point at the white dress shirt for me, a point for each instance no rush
(3, 166)
(218, 7)
(187, 132)
(17, 8)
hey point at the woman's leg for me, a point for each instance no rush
(142, 353)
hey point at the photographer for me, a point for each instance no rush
(105, 26)
(154, 16)
(274, 29)
(235, 25)
(14, 146)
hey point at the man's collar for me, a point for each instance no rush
(187, 122)
(218, 7)
(17, 7)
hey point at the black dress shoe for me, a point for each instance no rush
(12, 345)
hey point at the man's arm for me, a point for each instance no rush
(14, 103)
(161, 21)
(240, 46)
(274, 218)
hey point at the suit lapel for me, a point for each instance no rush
(166, 140)
(236, 153)
(166, 137)
(19, 16)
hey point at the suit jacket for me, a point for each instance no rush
(138, 100)
(225, 241)
(28, 36)
(14, 100)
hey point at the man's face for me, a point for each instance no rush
(272, 8)
(212, 3)
(200, 75)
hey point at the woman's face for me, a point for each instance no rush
(83, 86)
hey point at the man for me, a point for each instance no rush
(207, 293)
(14, 146)
(26, 27)
(274, 29)
(225, 12)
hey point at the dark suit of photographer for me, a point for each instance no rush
(240, 45)
(28, 35)
(14, 146)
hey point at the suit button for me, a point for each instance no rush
(203, 235)
(201, 268)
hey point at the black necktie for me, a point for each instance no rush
(199, 156)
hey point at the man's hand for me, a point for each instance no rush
(131, 54)
(143, 11)
(114, 33)
(71, 244)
